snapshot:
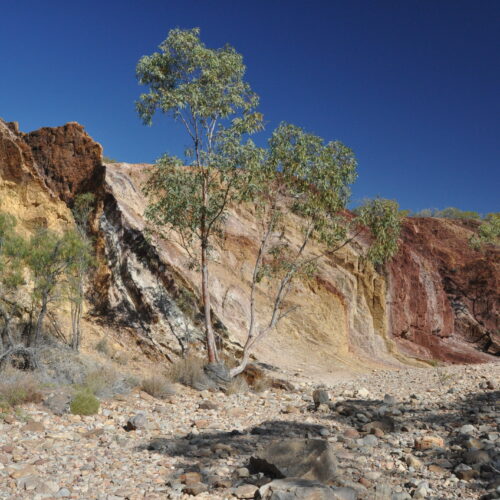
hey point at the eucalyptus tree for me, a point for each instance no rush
(300, 174)
(204, 90)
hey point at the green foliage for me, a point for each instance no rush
(50, 257)
(383, 218)
(84, 403)
(488, 232)
(302, 174)
(12, 251)
(190, 81)
(83, 207)
(204, 90)
(447, 213)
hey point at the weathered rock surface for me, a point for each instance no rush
(444, 295)
(312, 459)
(68, 159)
(438, 299)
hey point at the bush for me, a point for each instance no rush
(187, 371)
(237, 386)
(103, 347)
(18, 387)
(84, 403)
(262, 384)
(157, 386)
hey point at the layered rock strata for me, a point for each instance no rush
(437, 299)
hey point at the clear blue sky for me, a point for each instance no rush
(412, 86)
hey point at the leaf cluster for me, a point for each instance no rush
(488, 232)
(383, 218)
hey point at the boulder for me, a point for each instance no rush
(295, 489)
(311, 459)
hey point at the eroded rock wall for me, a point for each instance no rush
(25, 193)
(444, 295)
(437, 299)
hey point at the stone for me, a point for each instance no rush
(245, 491)
(414, 462)
(320, 397)
(363, 393)
(428, 442)
(208, 405)
(312, 459)
(389, 400)
(385, 424)
(136, 422)
(63, 493)
(351, 433)
(301, 489)
(243, 472)
(190, 478)
(34, 427)
(21, 470)
(218, 373)
(69, 160)
(370, 440)
(477, 457)
(58, 403)
(467, 429)
(195, 489)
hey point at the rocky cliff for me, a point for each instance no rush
(438, 299)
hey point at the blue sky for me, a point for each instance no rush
(412, 86)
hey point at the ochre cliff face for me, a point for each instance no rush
(68, 159)
(24, 193)
(444, 300)
(437, 299)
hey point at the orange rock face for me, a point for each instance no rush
(68, 158)
(443, 295)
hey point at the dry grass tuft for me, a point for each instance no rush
(187, 371)
(158, 386)
(18, 387)
(237, 386)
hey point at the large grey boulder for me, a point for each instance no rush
(312, 459)
(303, 489)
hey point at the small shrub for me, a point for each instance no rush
(262, 384)
(18, 387)
(99, 381)
(121, 358)
(84, 403)
(237, 386)
(157, 386)
(103, 347)
(187, 371)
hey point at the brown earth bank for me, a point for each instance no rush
(437, 299)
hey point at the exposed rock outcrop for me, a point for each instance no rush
(437, 299)
(68, 159)
(444, 300)
(23, 191)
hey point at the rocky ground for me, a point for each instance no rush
(412, 433)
